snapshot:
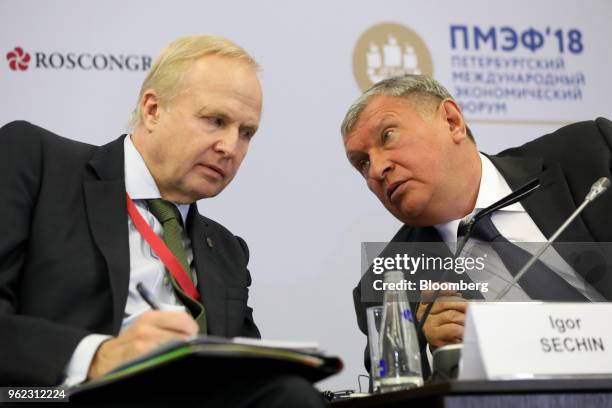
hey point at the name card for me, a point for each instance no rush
(536, 340)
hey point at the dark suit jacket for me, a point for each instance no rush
(567, 162)
(64, 254)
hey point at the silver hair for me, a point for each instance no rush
(401, 86)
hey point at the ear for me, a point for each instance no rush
(150, 109)
(451, 114)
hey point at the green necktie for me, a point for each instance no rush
(169, 217)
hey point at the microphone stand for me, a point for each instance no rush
(446, 358)
(597, 189)
(510, 199)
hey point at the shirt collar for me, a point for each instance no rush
(139, 182)
(493, 187)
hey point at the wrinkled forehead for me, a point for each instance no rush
(363, 133)
(378, 109)
(222, 73)
(423, 103)
(224, 77)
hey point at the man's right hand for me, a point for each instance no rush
(146, 333)
(446, 319)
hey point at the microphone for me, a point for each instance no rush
(517, 195)
(598, 188)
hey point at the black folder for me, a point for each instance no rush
(201, 363)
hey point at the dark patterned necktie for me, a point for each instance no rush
(169, 217)
(540, 282)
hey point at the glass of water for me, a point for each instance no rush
(374, 318)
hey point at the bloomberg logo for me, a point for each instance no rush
(19, 60)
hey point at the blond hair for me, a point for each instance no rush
(170, 66)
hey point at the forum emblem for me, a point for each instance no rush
(387, 50)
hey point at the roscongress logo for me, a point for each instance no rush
(387, 50)
(20, 60)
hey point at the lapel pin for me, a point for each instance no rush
(210, 242)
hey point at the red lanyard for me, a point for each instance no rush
(162, 251)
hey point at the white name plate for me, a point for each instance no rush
(536, 340)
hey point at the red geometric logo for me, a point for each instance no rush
(18, 59)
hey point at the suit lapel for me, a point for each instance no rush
(549, 207)
(210, 280)
(107, 216)
(552, 203)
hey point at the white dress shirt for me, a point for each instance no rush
(145, 266)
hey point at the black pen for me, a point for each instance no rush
(146, 295)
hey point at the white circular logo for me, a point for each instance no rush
(387, 50)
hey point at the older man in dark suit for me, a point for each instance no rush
(80, 226)
(408, 139)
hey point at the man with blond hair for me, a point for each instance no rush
(81, 226)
